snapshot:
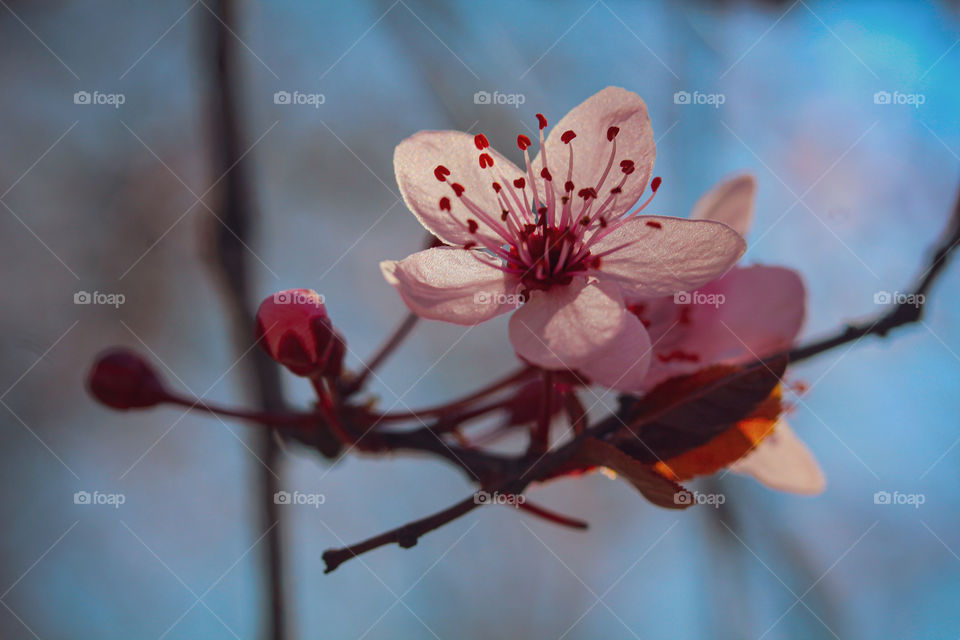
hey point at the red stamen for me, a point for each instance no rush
(457, 189)
(545, 174)
(567, 136)
(523, 142)
(654, 224)
(542, 120)
(441, 172)
(655, 184)
(486, 160)
(445, 204)
(612, 133)
(627, 167)
(481, 141)
(519, 183)
(472, 226)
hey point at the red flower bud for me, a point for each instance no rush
(123, 380)
(294, 329)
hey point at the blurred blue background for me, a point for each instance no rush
(98, 198)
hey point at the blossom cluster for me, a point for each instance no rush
(601, 293)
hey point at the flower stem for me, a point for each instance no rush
(575, 412)
(394, 341)
(328, 408)
(260, 417)
(451, 407)
(552, 516)
(540, 434)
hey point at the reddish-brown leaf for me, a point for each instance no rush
(706, 404)
(654, 486)
(726, 448)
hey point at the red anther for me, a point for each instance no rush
(542, 120)
(567, 136)
(445, 203)
(457, 189)
(441, 172)
(542, 210)
(486, 160)
(469, 245)
(585, 220)
(616, 190)
(587, 192)
(603, 225)
(481, 141)
(545, 174)
(523, 142)
(612, 133)
(627, 166)
(655, 184)
(472, 226)
(568, 186)
(497, 187)
(121, 379)
(654, 224)
(504, 215)
(519, 183)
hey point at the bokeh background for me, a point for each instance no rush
(103, 198)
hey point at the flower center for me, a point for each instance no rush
(544, 236)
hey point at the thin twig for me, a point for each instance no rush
(388, 347)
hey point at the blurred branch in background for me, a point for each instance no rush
(236, 212)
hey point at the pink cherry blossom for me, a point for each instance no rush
(749, 313)
(559, 240)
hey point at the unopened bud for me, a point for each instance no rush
(122, 379)
(294, 329)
